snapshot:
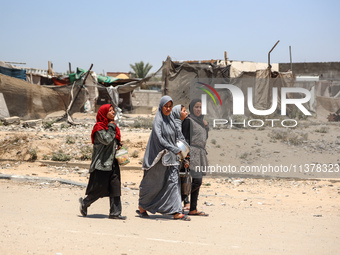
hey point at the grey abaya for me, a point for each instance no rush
(160, 188)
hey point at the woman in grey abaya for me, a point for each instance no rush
(159, 188)
(179, 113)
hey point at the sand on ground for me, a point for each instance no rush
(247, 215)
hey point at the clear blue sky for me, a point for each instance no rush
(114, 34)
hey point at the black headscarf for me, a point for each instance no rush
(198, 119)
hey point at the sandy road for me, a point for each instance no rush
(44, 219)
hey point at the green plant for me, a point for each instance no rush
(297, 139)
(47, 124)
(213, 141)
(290, 137)
(45, 157)
(33, 153)
(60, 156)
(86, 152)
(70, 139)
(322, 130)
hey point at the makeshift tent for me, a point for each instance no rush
(29, 101)
(12, 71)
(104, 90)
(178, 76)
(77, 92)
(327, 97)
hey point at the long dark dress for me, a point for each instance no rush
(104, 172)
(105, 183)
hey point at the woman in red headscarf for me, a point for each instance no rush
(104, 169)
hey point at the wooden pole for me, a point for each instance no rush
(290, 54)
(49, 67)
(270, 52)
(226, 58)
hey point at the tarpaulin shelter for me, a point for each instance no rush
(90, 90)
(39, 76)
(325, 94)
(28, 101)
(32, 101)
(43, 93)
(178, 76)
(327, 97)
(12, 71)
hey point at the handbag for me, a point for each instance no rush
(185, 182)
(122, 156)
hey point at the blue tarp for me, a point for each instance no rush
(16, 73)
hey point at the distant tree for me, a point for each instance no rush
(140, 70)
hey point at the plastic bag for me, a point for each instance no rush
(122, 156)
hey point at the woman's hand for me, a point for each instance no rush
(119, 146)
(205, 123)
(186, 162)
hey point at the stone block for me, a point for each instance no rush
(11, 121)
(32, 123)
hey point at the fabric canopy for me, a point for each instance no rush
(13, 72)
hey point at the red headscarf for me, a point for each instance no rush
(103, 122)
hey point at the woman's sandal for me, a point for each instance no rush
(142, 214)
(197, 213)
(183, 217)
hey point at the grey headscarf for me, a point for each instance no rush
(176, 116)
(162, 141)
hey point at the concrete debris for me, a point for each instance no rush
(11, 121)
(208, 204)
(32, 123)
